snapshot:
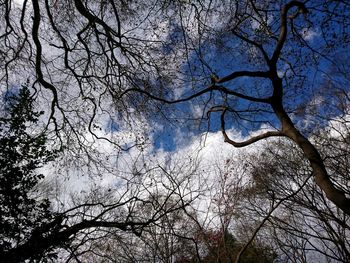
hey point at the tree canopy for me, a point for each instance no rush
(123, 98)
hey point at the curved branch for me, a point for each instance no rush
(195, 95)
(250, 140)
(284, 28)
(322, 178)
(38, 59)
(56, 234)
(41, 239)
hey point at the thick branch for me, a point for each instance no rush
(38, 57)
(236, 74)
(56, 234)
(42, 240)
(92, 18)
(284, 27)
(337, 196)
(250, 140)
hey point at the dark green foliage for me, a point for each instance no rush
(21, 153)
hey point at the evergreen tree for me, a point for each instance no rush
(21, 153)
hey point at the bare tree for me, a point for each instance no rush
(267, 48)
(305, 226)
(111, 72)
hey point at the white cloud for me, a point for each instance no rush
(309, 34)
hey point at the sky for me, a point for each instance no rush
(181, 134)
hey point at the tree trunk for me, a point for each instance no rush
(322, 179)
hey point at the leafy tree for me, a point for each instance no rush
(32, 230)
(22, 152)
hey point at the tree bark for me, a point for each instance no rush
(320, 173)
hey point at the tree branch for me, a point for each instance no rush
(244, 73)
(284, 28)
(249, 41)
(195, 95)
(38, 58)
(322, 178)
(273, 208)
(250, 140)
